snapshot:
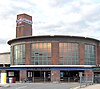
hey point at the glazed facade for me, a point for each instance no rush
(41, 53)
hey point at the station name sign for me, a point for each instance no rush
(24, 20)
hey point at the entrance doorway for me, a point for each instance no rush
(69, 76)
(13, 74)
(39, 76)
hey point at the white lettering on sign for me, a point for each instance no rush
(24, 20)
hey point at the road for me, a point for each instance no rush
(41, 86)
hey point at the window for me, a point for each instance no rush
(69, 53)
(41, 53)
(90, 54)
(19, 54)
(10, 74)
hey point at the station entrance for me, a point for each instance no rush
(42, 74)
(15, 74)
(39, 76)
(45, 75)
(69, 76)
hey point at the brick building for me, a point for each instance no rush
(51, 58)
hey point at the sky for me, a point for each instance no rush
(50, 17)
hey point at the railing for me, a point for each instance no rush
(86, 80)
(69, 79)
(96, 79)
(36, 79)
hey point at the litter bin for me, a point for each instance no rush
(10, 80)
(7, 80)
(14, 79)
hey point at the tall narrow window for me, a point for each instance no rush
(19, 54)
(90, 54)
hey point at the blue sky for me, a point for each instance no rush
(51, 17)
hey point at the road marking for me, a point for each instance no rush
(22, 87)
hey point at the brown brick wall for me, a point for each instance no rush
(88, 73)
(27, 53)
(23, 75)
(27, 30)
(55, 75)
(24, 16)
(98, 55)
(82, 49)
(19, 31)
(55, 53)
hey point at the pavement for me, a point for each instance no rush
(4, 85)
(48, 86)
(94, 86)
(39, 85)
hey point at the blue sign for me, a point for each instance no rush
(45, 68)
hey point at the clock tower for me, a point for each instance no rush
(23, 25)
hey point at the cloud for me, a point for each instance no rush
(81, 18)
(57, 17)
(3, 41)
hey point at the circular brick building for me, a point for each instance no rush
(51, 58)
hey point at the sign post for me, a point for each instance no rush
(80, 75)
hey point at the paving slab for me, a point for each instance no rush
(94, 86)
